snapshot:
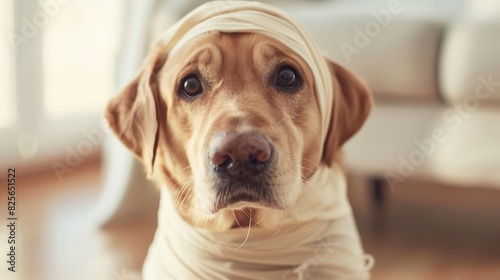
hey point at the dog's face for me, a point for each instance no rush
(231, 124)
(242, 108)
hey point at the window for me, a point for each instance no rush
(79, 47)
(57, 71)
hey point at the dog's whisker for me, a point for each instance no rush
(185, 178)
(181, 192)
(310, 186)
(278, 123)
(297, 173)
(182, 203)
(295, 213)
(255, 224)
(293, 210)
(308, 169)
(316, 164)
(200, 217)
(219, 221)
(299, 166)
(260, 220)
(237, 221)
(179, 171)
(248, 232)
(241, 226)
(247, 214)
(281, 225)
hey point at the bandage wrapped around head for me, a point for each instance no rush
(254, 17)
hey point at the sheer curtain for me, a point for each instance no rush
(58, 62)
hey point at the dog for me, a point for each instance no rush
(240, 120)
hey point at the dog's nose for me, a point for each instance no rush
(240, 153)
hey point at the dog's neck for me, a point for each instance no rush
(252, 250)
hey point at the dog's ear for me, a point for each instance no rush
(352, 103)
(133, 115)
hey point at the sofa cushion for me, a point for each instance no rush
(396, 54)
(470, 64)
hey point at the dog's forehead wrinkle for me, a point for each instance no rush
(266, 51)
(207, 58)
(202, 57)
(238, 50)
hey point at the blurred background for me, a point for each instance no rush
(424, 172)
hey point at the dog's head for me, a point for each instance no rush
(231, 122)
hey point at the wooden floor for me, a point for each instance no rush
(420, 232)
(430, 232)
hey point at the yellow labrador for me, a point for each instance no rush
(230, 127)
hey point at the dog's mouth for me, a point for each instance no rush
(245, 197)
(239, 200)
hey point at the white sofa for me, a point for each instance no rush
(426, 63)
(434, 68)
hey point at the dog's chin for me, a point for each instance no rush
(241, 205)
(237, 194)
(240, 202)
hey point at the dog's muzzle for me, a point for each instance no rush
(240, 164)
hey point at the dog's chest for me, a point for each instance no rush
(304, 251)
(308, 244)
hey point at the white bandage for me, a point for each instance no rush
(317, 239)
(254, 17)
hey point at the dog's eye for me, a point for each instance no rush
(286, 78)
(191, 86)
